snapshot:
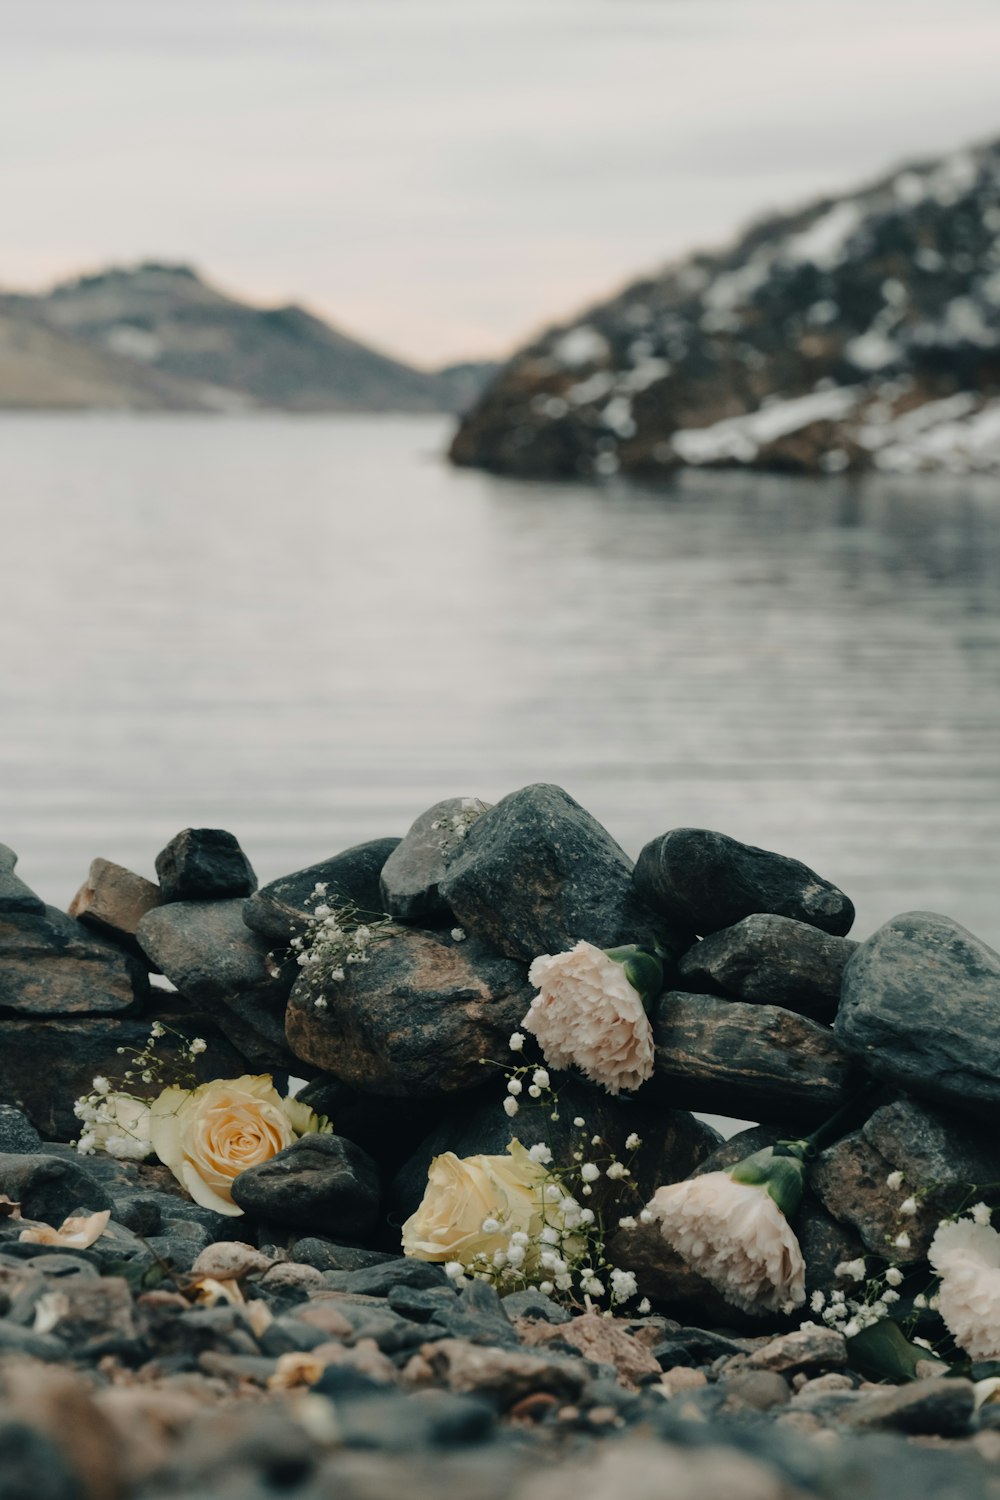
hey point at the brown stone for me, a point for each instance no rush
(113, 901)
(51, 965)
(805, 1350)
(505, 1374)
(602, 1339)
(61, 1405)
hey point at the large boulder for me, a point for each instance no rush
(771, 960)
(204, 864)
(413, 872)
(278, 911)
(51, 965)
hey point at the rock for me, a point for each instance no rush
(943, 1407)
(378, 1280)
(51, 965)
(60, 1407)
(505, 1375)
(535, 1305)
(644, 1470)
(806, 1350)
(231, 1260)
(751, 1061)
(919, 1007)
(326, 1255)
(537, 873)
(17, 1134)
(756, 1390)
(277, 910)
(603, 1340)
(939, 1155)
(771, 960)
(204, 864)
(475, 1313)
(113, 902)
(391, 1423)
(415, 1020)
(411, 874)
(50, 1189)
(707, 881)
(322, 1183)
(15, 896)
(385, 1128)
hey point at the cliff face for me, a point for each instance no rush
(862, 332)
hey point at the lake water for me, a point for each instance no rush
(306, 630)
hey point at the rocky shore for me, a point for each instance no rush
(281, 1343)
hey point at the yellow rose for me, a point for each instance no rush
(209, 1135)
(464, 1193)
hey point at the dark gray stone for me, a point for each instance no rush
(385, 1128)
(51, 965)
(921, 1007)
(15, 896)
(378, 1281)
(323, 1183)
(534, 1304)
(388, 1422)
(536, 874)
(413, 871)
(181, 1242)
(17, 1134)
(772, 961)
(326, 1255)
(706, 881)
(50, 1188)
(277, 911)
(475, 1314)
(204, 864)
(936, 1406)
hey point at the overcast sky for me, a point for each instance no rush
(443, 176)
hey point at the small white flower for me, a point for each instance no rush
(458, 934)
(541, 1154)
(320, 1002)
(85, 1145)
(579, 1122)
(337, 975)
(553, 1192)
(894, 1181)
(632, 1142)
(519, 1238)
(540, 1077)
(627, 1221)
(920, 1300)
(980, 1211)
(549, 1236)
(592, 1286)
(515, 1256)
(516, 1042)
(454, 1270)
(500, 1258)
(514, 1085)
(510, 1106)
(564, 1282)
(908, 1207)
(590, 1171)
(623, 1285)
(889, 1297)
(852, 1329)
(645, 1306)
(902, 1241)
(646, 1216)
(490, 1226)
(817, 1302)
(586, 1190)
(586, 1214)
(198, 1045)
(155, 1031)
(616, 1170)
(534, 1092)
(924, 1344)
(894, 1276)
(853, 1269)
(101, 1085)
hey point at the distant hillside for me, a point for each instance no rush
(861, 332)
(158, 336)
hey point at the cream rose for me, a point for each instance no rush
(209, 1135)
(589, 1014)
(463, 1194)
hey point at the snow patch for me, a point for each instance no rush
(581, 346)
(872, 351)
(825, 241)
(738, 439)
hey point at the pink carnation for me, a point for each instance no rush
(590, 1016)
(966, 1256)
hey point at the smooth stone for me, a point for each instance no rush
(326, 1255)
(707, 881)
(412, 873)
(942, 1407)
(113, 901)
(505, 1375)
(378, 1281)
(751, 1061)
(15, 896)
(415, 1020)
(756, 1390)
(532, 1303)
(204, 864)
(806, 1350)
(536, 874)
(921, 1007)
(181, 1241)
(50, 1189)
(278, 910)
(391, 1423)
(771, 960)
(323, 1183)
(50, 965)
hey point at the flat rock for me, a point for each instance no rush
(413, 871)
(536, 874)
(921, 1007)
(204, 864)
(604, 1340)
(113, 901)
(413, 1021)
(771, 960)
(804, 1351)
(751, 1061)
(50, 1188)
(707, 881)
(942, 1407)
(504, 1374)
(277, 911)
(15, 896)
(50, 965)
(322, 1183)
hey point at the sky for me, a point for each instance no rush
(444, 177)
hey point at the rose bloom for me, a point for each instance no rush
(588, 1014)
(209, 1135)
(966, 1256)
(736, 1237)
(463, 1193)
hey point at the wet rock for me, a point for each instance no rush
(277, 910)
(807, 1350)
(938, 1406)
(415, 1020)
(204, 864)
(535, 1305)
(475, 1313)
(323, 1183)
(113, 901)
(94, 1316)
(391, 1423)
(919, 1007)
(413, 871)
(537, 873)
(707, 881)
(771, 960)
(15, 896)
(49, 1188)
(51, 965)
(751, 1061)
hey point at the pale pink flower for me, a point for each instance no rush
(966, 1256)
(590, 1016)
(736, 1237)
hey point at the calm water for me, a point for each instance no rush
(307, 630)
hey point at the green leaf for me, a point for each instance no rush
(883, 1352)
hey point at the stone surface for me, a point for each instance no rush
(771, 960)
(413, 871)
(277, 910)
(921, 1007)
(204, 864)
(751, 1061)
(385, 1128)
(941, 1407)
(17, 1133)
(807, 1350)
(15, 896)
(537, 873)
(707, 881)
(113, 901)
(503, 1374)
(48, 1188)
(51, 965)
(940, 1155)
(601, 1339)
(415, 1019)
(322, 1183)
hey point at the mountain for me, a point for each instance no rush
(158, 336)
(862, 332)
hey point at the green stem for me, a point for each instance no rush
(839, 1124)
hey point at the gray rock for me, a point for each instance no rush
(476, 1313)
(413, 871)
(391, 1423)
(181, 1242)
(277, 911)
(51, 965)
(322, 1183)
(15, 896)
(537, 873)
(771, 960)
(378, 1281)
(804, 1351)
(920, 1008)
(707, 881)
(204, 864)
(113, 901)
(327, 1255)
(942, 1407)
(756, 1390)
(752, 1061)
(17, 1134)
(385, 1128)
(415, 1020)
(50, 1189)
(534, 1304)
